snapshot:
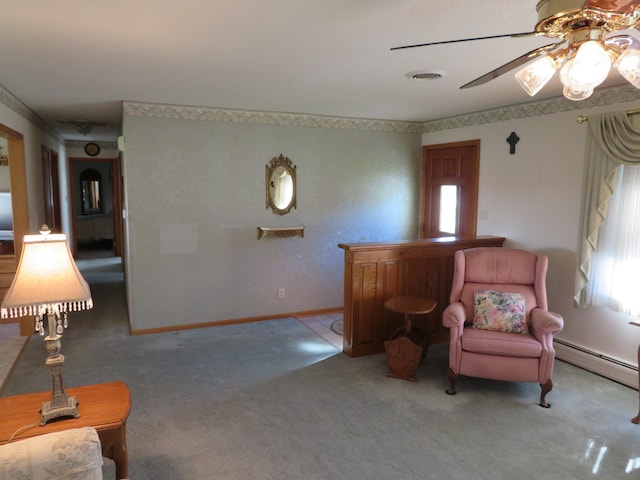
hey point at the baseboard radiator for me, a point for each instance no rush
(595, 362)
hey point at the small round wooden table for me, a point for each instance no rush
(408, 345)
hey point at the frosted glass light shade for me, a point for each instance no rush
(576, 94)
(588, 69)
(629, 66)
(537, 74)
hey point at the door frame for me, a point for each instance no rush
(20, 211)
(116, 197)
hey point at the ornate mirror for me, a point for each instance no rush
(281, 185)
(91, 187)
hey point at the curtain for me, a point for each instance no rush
(616, 262)
(612, 140)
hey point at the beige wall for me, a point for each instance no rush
(196, 195)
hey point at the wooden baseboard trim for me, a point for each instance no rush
(313, 313)
(236, 321)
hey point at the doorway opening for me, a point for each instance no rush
(95, 189)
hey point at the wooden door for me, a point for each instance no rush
(454, 168)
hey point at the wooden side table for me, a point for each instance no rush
(408, 345)
(104, 406)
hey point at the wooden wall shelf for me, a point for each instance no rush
(282, 232)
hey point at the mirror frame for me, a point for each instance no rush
(277, 162)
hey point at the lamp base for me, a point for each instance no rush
(58, 407)
(60, 404)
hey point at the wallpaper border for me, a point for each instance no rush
(183, 112)
(602, 97)
(12, 102)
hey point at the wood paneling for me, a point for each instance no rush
(375, 272)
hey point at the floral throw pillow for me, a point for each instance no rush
(500, 311)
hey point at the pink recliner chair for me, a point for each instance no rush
(500, 326)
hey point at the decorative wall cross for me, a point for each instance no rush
(512, 140)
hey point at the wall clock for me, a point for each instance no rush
(92, 149)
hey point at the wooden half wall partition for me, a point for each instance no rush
(375, 272)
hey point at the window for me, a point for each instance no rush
(616, 261)
(608, 252)
(449, 189)
(448, 208)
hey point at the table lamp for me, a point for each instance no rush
(48, 285)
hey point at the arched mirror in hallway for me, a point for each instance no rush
(91, 189)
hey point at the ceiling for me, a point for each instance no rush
(69, 60)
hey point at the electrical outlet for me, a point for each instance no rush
(281, 293)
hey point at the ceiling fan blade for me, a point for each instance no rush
(512, 35)
(521, 60)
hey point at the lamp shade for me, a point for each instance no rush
(588, 69)
(537, 74)
(47, 277)
(629, 65)
(576, 94)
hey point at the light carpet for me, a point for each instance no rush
(272, 400)
(11, 343)
(337, 327)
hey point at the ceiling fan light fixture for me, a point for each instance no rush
(576, 94)
(588, 69)
(83, 127)
(537, 74)
(628, 64)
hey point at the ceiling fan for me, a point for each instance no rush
(83, 126)
(585, 53)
